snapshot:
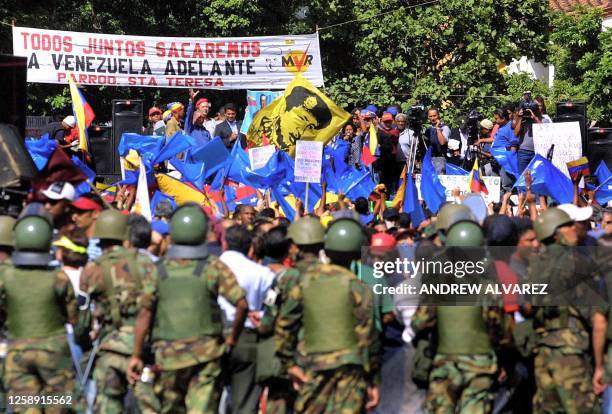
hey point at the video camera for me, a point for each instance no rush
(472, 124)
(416, 117)
(526, 103)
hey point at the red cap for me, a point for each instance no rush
(154, 110)
(86, 204)
(201, 101)
(386, 117)
(383, 240)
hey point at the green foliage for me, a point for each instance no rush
(449, 54)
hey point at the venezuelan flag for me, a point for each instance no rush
(368, 152)
(579, 168)
(475, 182)
(82, 112)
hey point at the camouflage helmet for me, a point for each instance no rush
(465, 234)
(306, 230)
(6, 231)
(344, 235)
(111, 225)
(33, 233)
(189, 225)
(453, 213)
(547, 223)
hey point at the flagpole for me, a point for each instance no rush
(306, 198)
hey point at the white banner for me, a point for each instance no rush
(259, 156)
(450, 182)
(566, 138)
(266, 62)
(308, 161)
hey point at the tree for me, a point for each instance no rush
(447, 54)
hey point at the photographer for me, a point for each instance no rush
(528, 114)
(437, 137)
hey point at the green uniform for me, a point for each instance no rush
(37, 303)
(340, 341)
(465, 364)
(281, 395)
(114, 282)
(562, 366)
(3, 265)
(188, 341)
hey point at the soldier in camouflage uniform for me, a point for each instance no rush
(187, 333)
(341, 347)
(37, 301)
(306, 237)
(6, 247)
(562, 367)
(465, 364)
(114, 283)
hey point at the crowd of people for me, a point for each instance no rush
(245, 311)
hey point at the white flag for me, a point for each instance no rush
(142, 205)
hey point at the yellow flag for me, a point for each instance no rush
(182, 193)
(302, 112)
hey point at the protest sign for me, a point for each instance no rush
(256, 100)
(264, 62)
(258, 157)
(450, 182)
(308, 161)
(567, 141)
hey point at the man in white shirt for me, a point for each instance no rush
(255, 280)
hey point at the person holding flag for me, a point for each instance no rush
(84, 116)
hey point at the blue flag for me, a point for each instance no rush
(83, 187)
(191, 172)
(159, 196)
(177, 144)
(338, 153)
(507, 159)
(279, 197)
(238, 168)
(452, 169)
(432, 190)
(40, 150)
(412, 205)
(604, 176)
(547, 180)
(213, 154)
(355, 183)
(147, 146)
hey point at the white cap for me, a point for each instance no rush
(70, 121)
(60, 190)
(453, 144)
(577, 213)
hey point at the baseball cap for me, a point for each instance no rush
(577, 213)
(453, 144)
(86, 204)
(59, 190)
(166, 115)
(154, 110)
(392, 110)
(372, 108)
(386, 117)
(486, 124)
(201, 101)
(382, 240)
(70, 121)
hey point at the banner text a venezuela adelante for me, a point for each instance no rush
(265, 62)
